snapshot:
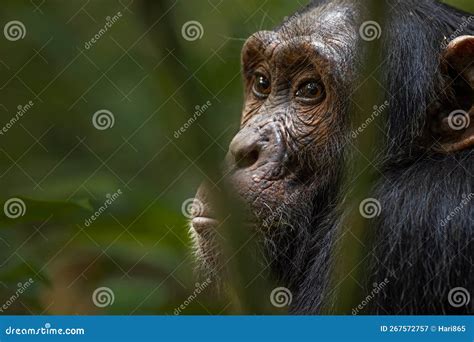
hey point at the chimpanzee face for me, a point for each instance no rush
(286, 162)
(293, 119)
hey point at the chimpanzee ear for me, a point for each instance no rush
(457, 128)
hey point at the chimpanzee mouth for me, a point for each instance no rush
(204, 224)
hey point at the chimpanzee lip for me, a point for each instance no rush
(201, 224)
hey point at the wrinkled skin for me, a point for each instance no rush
(288, 146)
(287, 161)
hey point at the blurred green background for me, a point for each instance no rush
(152, 80)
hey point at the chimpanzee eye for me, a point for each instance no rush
(261, 86)
(311, 91)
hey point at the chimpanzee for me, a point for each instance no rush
(288, 160)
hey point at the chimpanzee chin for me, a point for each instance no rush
(287, 162)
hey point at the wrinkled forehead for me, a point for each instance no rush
(332, 18)
(327, 31)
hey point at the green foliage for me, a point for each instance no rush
(466, 5)
(151, 79)
(40, 211)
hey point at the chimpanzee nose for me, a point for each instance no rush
(245, 149)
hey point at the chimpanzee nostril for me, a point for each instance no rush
(245, 150)
(246, 160)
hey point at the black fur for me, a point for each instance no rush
(422, 256)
